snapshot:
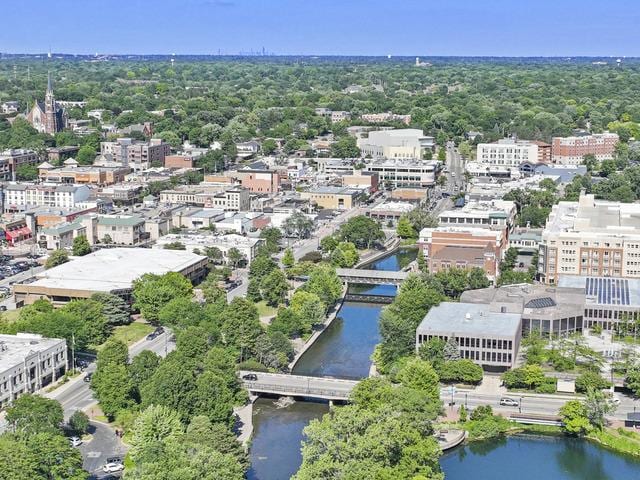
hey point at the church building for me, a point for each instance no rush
(48, 117)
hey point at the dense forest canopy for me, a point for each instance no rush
(237, 100)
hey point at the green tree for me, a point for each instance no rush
(31, 414)
(235, 257)
(451, 350)
(269, 146)
(272, 237)
(405, 228)
(143, 367)
(57, 257)
(241, 324)
(345, 147)
(154, 425)
(597, 406)
(55, 458)
(174, 246)
(81, 246)
(152, 291)
(308, 308)
(442, 154)
(113, 388)
(345, 255)
(26, 173)
(324, 282)
(590, 380)
(114, 308)
(361, 231)
(288, 260)
(574, 418)
(298, 225)
(274, 288)
(328, 243)
(86, 155)
(420, 375)
(79, 422)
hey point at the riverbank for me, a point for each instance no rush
(620, 441)
(330, 318)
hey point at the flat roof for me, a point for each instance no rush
(114, 268)
(469, 319)
(14, 348)
(604, 290)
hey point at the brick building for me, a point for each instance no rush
(571, 150)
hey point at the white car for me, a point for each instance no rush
(509, 402)
(112, 467)
(75, 441)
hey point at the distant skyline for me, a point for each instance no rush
(324, 27)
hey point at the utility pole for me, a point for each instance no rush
(73, 352)
(520, 406)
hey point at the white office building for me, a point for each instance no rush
(410, 173)
(22, 196)
(403, 143)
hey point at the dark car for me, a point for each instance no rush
(251, 377)
(87, 377)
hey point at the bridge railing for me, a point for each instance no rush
(320, 392)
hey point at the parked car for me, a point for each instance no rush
(152, 335)
(112, 467)
(508, 402)
(251, 377)
(75, 441)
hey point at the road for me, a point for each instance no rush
(77, 395)
(529, 402)
(241, 290)
(103, 444)
(319, 387)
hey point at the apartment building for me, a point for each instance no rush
(407, 143)
(490, 339)
(571, 150)
(507, 152)
(463, 247)
(11, 160)
(28, 363)
(230, 199)
(136, 154)
(385, 117)
(404, 173)
(590, 237)
(22, 196)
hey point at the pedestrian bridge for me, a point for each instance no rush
(374, 277)
(298, 385)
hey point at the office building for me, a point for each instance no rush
(12, 159)
(28, 363)
(489, 338)
(494, 215)
(72, 172)
(404, 173)
(407, 143)
(136, 154)
(198, 243)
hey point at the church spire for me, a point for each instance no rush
(49, 88)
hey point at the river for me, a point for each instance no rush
(343, 350)
(534, 458)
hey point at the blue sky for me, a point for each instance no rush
(336, 27)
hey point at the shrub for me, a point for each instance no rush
(591, 379)
(548, 386)
(252, 365)
(79, 422)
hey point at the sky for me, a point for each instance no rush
(324, 27)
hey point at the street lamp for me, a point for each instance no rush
(466, 405)
(520, 406)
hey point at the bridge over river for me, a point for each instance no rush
(298, 385)
(371, 277)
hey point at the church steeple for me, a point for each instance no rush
(50, 116)
(49, 87)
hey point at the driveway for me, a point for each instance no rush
(103, 445)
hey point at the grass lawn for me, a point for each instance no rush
(11, 316)
(265, 310)
(131, 333)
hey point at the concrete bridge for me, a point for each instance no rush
(372, 277)
(298, 385)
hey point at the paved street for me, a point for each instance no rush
(76, 394)
(103, 445)
(240, 290)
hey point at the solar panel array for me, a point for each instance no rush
(608, 291)
(543, 302)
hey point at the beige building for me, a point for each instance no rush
(222, 197)
(333, 198)
(401, 143)
(507, 152)
(590, 237)
(111, 270)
